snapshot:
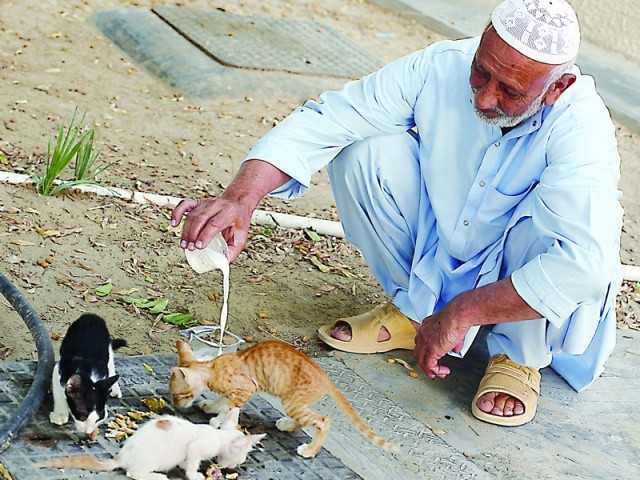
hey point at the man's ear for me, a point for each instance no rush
(558, 87)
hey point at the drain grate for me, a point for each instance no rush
(267, 43)
(41, 440)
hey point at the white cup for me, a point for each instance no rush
(214, 256)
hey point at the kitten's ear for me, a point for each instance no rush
(178, 377)
(244, 444)
(107, 383)
(230, 421)
(256, 439)
(185, 354)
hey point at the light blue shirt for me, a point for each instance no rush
(560, 167)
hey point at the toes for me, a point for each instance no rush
(518, 409)
(485, 402)
(342, 332)
(383, 334)
(498, 404)
(508, 407)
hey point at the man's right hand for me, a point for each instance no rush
(207, 217)
(231, 212)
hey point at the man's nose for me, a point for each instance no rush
(486, 97)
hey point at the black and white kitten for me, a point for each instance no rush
(85, 375)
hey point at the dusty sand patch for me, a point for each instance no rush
(54, 59)
(275, 291)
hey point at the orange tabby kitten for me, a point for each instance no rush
(272, 367)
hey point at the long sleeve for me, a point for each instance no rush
(311, 136)
(577, 205)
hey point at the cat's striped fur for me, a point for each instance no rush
(273, 367)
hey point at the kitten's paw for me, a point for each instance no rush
(214, 407)
(286, 424)
(216, 422)
(58, 418)
(304, 451)
(115, 391)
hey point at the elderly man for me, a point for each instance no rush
(479, 179)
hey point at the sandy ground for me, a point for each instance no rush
(61, 263)
(53, 59)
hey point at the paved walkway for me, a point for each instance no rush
(592, 435)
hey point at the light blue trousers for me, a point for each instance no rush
(376, 198)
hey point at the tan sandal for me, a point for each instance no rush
(506, 376)
(366, 327)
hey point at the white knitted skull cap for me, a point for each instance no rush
(544, 30)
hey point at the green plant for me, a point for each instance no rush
(59, 154)
(75, 141)
(86, 158)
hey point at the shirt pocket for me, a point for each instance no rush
(497, 206)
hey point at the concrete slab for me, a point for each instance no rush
(162, 51)
(41, 440)
(267, 43)
(617, 77)
(591, 435)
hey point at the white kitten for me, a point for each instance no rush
(167, 442)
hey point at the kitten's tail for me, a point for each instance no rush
(117, 343)
(357, 420)
(81, 462)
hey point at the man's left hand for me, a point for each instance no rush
(439, 334)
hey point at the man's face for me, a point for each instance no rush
(508, 87)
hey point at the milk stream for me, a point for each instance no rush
(214, 257)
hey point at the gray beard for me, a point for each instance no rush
(505, 121)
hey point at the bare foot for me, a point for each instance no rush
(342, 332)
(500, 404)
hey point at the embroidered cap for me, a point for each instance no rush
(544, 30)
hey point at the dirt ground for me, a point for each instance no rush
(54, 59)
(276, 290)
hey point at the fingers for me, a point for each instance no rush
(238, 242)
(435, 370)
(215, 224)
(429, 362)
(185, 206)
(458, 347)
(199, 217)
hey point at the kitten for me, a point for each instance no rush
(167, 442)
(85, 375)
(272, 367)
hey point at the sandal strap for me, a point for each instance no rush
(503, 365)
(369, 323)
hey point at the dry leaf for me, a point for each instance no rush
(22, 243)
(4, 473)
(155, 404)
(318, 264)
(46, 233)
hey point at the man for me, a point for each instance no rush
(479, 180)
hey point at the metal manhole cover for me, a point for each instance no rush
(267, 43)
(41, 440)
